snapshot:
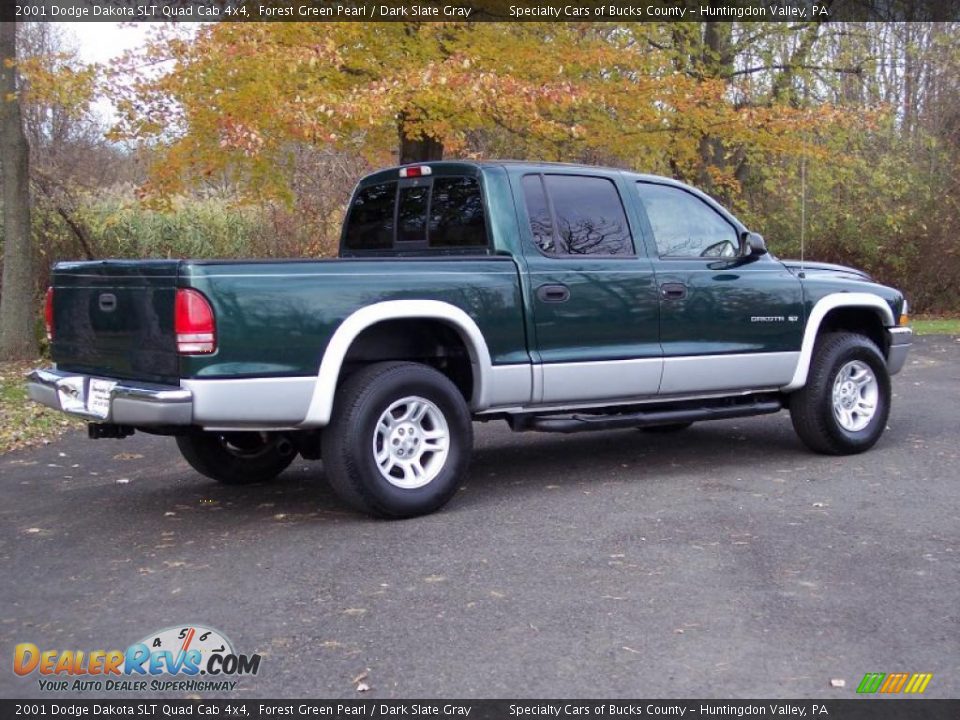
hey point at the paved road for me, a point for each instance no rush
(724, 561)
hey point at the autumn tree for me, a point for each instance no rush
(241, 96)
(17, 312)
(69, 155)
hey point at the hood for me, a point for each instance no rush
(821, 269)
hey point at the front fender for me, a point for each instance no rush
(823, 306)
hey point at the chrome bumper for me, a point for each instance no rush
(105, 400)
(901, 338)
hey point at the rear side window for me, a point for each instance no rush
(587, 216)
(541, 222)
(438, 213)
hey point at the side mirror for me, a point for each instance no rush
(753, 244)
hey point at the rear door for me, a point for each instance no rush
(115, 318)
(593, 296)
(726, 322)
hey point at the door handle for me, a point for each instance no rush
(553, 293)
(673, 291)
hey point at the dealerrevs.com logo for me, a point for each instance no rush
(181, 658)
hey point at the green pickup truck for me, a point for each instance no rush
(558, 298)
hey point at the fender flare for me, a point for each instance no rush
(321, 403)
(823, 306)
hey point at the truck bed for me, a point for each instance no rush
(274, 318)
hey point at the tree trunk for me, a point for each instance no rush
(18, 339)
(715, 61)
(417, 149)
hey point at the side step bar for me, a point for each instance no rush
(643, 418)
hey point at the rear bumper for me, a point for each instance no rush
(125, 403)
(901, 338)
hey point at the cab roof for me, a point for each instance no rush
(473, 167)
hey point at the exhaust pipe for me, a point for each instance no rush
(98, 431)
(285, 447)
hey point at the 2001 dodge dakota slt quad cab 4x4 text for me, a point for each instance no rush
(558, 298)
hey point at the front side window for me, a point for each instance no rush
(584, 215)
(684, 225)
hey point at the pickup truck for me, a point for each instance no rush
(558, 298)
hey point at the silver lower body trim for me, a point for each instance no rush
(600, 380)
(248, 403)
(712, 373)
(901, 339)
(125, 403)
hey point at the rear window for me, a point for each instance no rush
(412, 214)
(371, 218)
(442, 213)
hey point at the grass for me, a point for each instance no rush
(935, 325)
(24, 423)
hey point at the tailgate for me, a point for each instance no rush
(114, 318)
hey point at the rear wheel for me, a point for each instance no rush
(236, 458)
(843, 408)
(400, 440)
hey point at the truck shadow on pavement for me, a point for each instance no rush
(506, 468)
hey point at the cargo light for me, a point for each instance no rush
(48, 314)
(194, 324)
(412, 171)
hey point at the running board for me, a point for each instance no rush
(645, 418)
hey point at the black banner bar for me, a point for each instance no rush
(478, 10)
(663, 709)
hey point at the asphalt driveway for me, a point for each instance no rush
(723, 561)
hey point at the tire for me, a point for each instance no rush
(666, 429)
(373, 460)
(238, 458)
(843, 408)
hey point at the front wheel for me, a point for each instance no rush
(844, 405)
(236, 458)
(400, 440)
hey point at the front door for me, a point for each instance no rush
(726, 322)
(593, 296)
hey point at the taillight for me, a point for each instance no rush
(194, 324)
(48, 314)
(413, 171)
